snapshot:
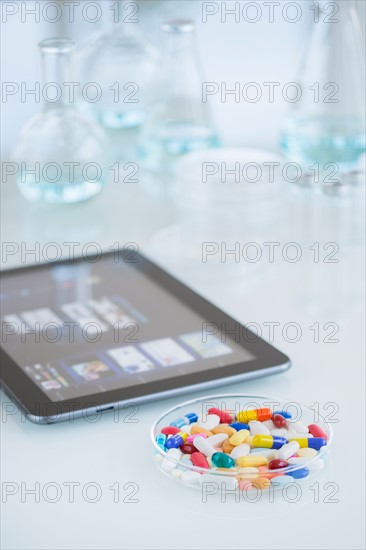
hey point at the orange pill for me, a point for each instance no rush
(197, 430)
(245, 484)
(224, 429)
(227, 446)
(261, 483)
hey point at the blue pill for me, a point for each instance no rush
(285, 414)
(178, 423)
(174, 442)
(160, 440)
(239, 426)
(191, 417)
(299, 474)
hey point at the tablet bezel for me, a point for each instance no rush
(39, 408)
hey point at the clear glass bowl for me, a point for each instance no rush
(229, 479)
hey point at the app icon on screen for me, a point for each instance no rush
(131, 360)
(167, 352)
(205, 345)
(92, 370)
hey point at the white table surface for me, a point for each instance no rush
(167, 515)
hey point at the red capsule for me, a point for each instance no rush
(316, 431)
(170, 430)
(277, 463)
(225, 417)
(199, 459)
(279, 421)
(188, 448)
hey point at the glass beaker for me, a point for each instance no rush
(179, 121)
(327, 124)
(60, 152)
(122, 64)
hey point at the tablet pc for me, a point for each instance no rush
(90, 334)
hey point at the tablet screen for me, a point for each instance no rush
(93, 326)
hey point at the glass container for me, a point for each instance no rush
(326, 123)
(122, 64)
(179, 121)
(60, 152)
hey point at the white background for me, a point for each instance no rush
(168, 515)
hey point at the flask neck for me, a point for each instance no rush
(123, 19)
(57, 59)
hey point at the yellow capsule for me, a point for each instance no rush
(252, 460)
(240, 437)
(183, 435)
(261, 483)
(302, 441)
(224, 429)
(248, 473)
(246, 416)
(307, 452)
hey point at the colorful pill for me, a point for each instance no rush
(277, 463)
(225, 417)
(199, 459)
(224, 429)
(239, 426)
(179, 422)
(279, 421)
(285, 414)
(176, 440)
(268, 441)
(240, 437)
(288, 450)
(254, 414)
(252, 460)
(261, 483)
(191, 417)
(257, 427)
(299, 474)
(170, 430)
(160, 440)
(316, 431)
(312, 442)
(199, 430)
(222, 460)
(204, 446)
(210, 422)
(192, 437)
(188, 448)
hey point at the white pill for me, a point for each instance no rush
(297, 426)
(258, 428)
(176, 473)
(287, 450)
(169, 463)
(298, 460)
(210, 422)
(190, 477)
(204, 446)
(186, 428)
(269, 424)
(217, 439)
(229, 483)
(240, 450)
(279, 432)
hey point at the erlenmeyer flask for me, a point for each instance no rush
(122, 64)
(179, 121)
(327, 124)
(60, 152)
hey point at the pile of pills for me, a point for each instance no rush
(255, 447)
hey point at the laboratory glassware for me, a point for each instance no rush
(179, 121)
(325, 129)
(60, 153)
